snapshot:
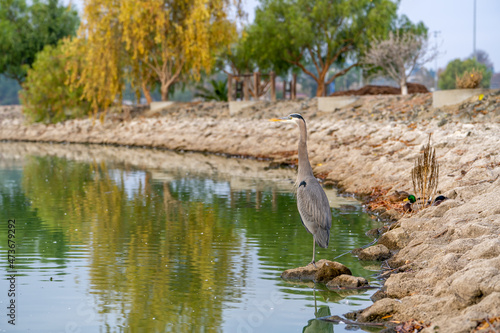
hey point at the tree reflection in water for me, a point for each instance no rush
(171, 249)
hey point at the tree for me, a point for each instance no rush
(239, 58)
(399, 55)
(483, 58)
(148, 41)
(293, 33)
(25, 30)
(46, 96)
(457, 67)
(101, 71)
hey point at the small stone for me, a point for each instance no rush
(378, 295)
(347, 281)
(324, 271)
(372, 233)
(375, 252)
(442, 122)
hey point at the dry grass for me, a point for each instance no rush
(425, 174)
(469, 80)
(488, 325)
(379, 198)
(411, 326)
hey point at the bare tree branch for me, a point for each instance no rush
(342, 72)
(399, 55)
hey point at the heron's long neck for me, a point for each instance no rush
(304, 165)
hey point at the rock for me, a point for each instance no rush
(440, 210)
(373, 232)
(403, 284)
(390, 214)
(451, 194)
(442, 122)
(305, 273)
(379, 210)
(324, 271)
(471, 286)
(394, 239)
(347, 281)
(378, 295)
(375, 252)
(380, 309)
(330, 270)
(356, 251)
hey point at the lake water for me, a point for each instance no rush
(111, 239)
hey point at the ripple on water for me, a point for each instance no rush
(125, 244)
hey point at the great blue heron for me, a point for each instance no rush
(312, 202)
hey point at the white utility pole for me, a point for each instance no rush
(474, 33)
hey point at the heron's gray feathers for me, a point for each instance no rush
(314, 210)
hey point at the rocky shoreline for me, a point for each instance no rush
(444, 268)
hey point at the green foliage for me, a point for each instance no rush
(457, 67)
(403, 25)
(240, 57)
(25, 30)
(9, 90)
(46, 96)
(293, 33)
(218, 92)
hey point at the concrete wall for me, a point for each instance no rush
(451, 97)
(328, 104)
(155, 106)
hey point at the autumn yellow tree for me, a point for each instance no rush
(149, 41)
(100, 73)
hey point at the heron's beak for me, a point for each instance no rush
(279, 119)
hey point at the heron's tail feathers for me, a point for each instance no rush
(322, 237)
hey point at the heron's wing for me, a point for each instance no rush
(314, 210)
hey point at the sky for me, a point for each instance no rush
(451, 19)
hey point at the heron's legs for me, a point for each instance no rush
(314, 250)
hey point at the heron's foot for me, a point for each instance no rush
(314, 264)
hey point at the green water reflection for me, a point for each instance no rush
(110, 247)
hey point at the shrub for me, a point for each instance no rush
(218, 93)
(469, 80)
(457, 68)
(47, 96)
(425, 174)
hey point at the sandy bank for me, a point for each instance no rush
(449, 255)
